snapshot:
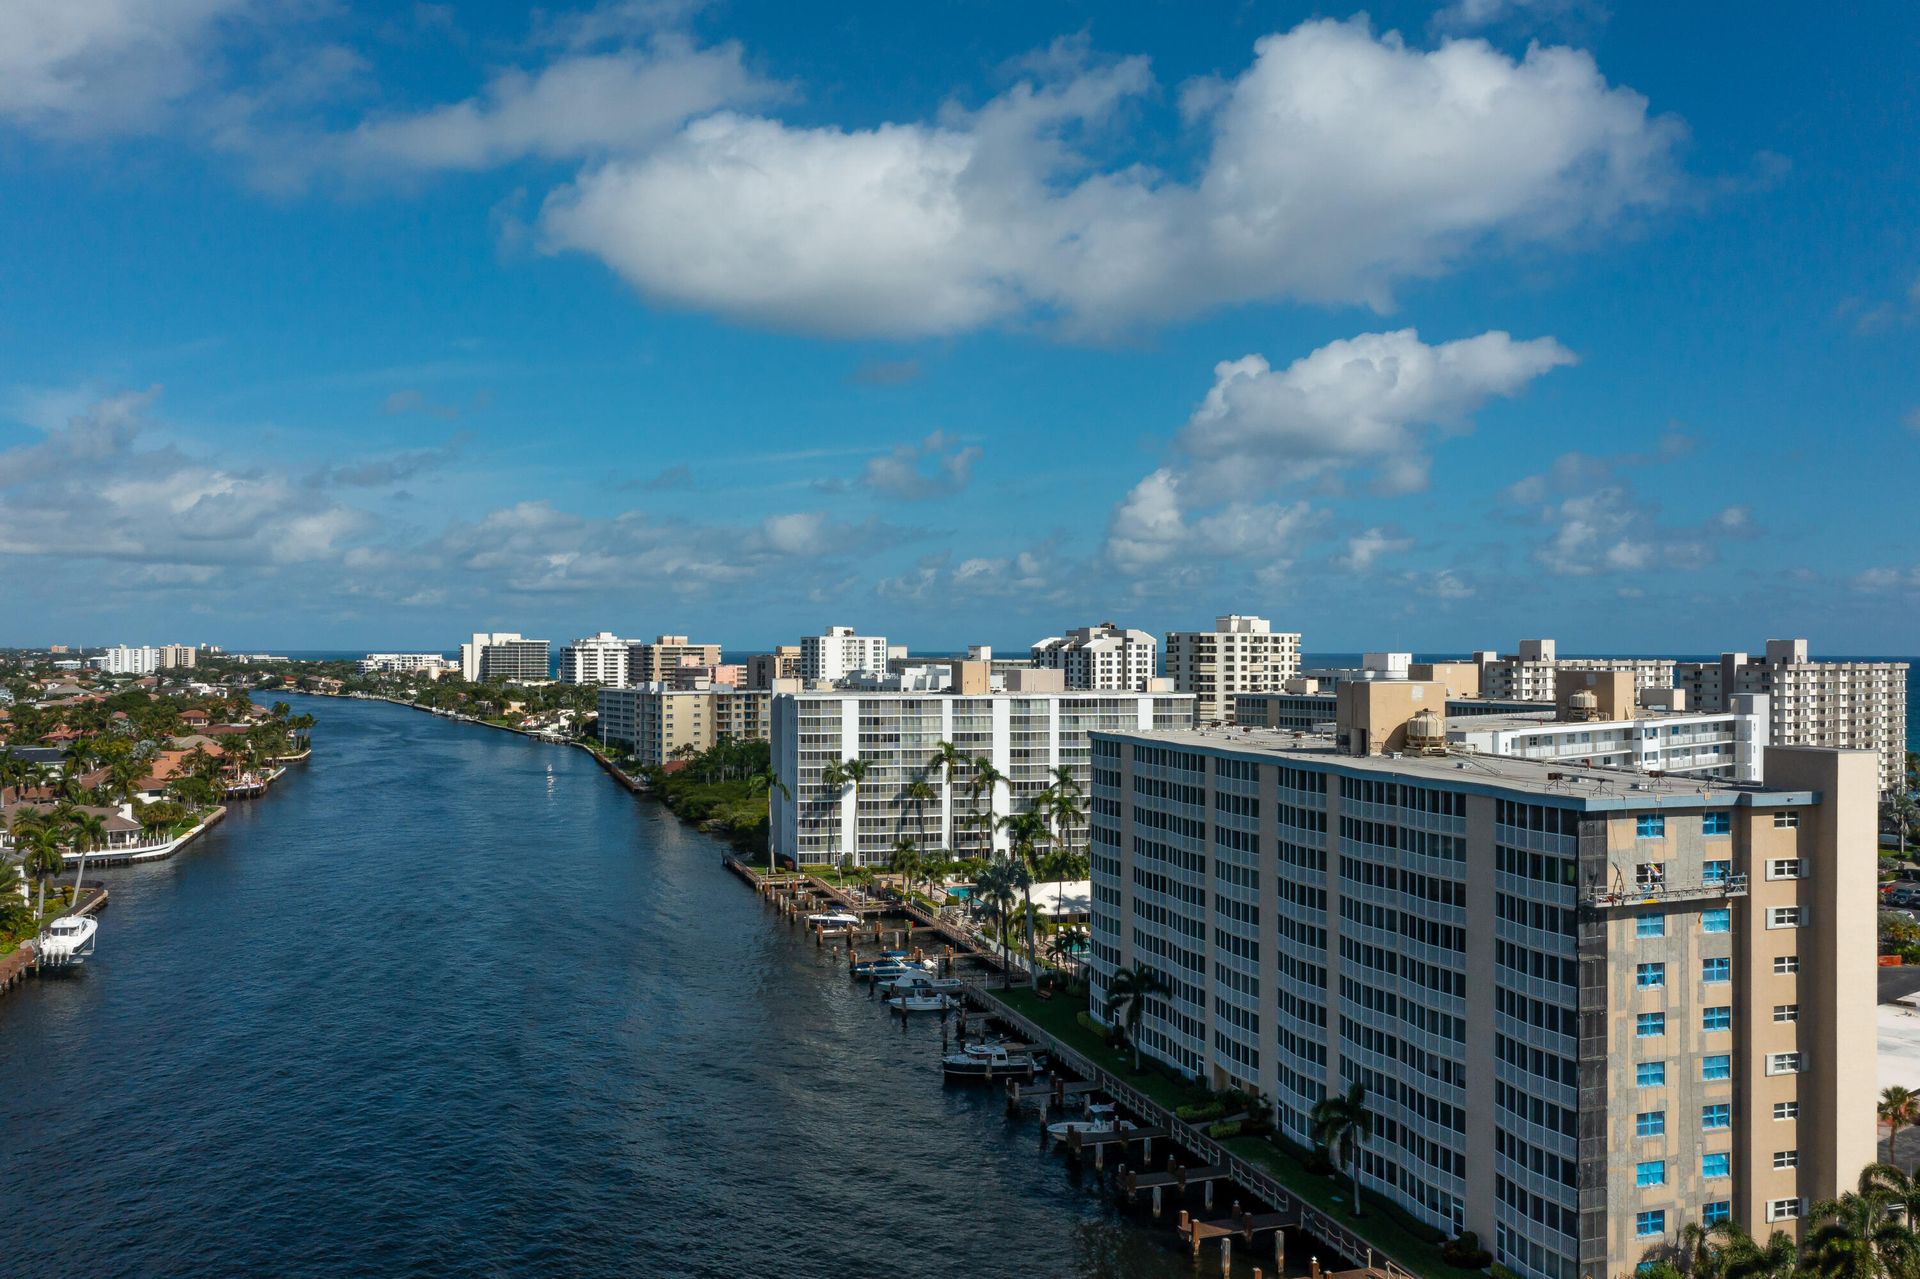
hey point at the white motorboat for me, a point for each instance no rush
(1102, 1117)
(834, 919)
(989, 1062)
(68, 941)
(917, 1002)
(918, 981)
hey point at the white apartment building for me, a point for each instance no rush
(596, 659)
(840, 653)
(123, 659)
(1024, 735)
(1239, 655)
(1529, 675)
(1101, 657)
(175, 655)
(405, 664)
(1587, 1012)
(503, 655)
(1720, 745)
(656, 721)
(1851, 705)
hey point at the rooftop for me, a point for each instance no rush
(1591, 788)
(1546, 718)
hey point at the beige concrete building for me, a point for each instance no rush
(655, 661)
(1853, 705)
(1588, 1007)
(782, 663)
(1239, 655)
(172, 655)
(657, 721)
(1530, 674)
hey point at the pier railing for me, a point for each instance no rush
(1247, 1174)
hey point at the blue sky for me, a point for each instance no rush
(1417, 326)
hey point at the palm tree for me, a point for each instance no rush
(1899, 1108)
(1341, 1124)
(996, 890)
(917, 793)
(906, 862)
(1065, 948)
(768, 781)
(1024, 833)
(89, 831)
(985, 778)
(1893, 1187)
(1737, 1255)
(1856, 1237)
(1127, 996)
(42, 849)
(853, 772)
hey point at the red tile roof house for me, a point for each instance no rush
(122, 831)
(194, 717)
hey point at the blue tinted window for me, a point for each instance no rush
(1649, 976)
(1716, 872)
(1650, 1123)
(1717, 1018)
(1651, 826)
(1715, 1166)
(1716, 970)
(1649, 1223)
(1716, 921)
(1652, 1172)
(1650, 1074)
(1650, 926)
(1650, 1024)
(1716, 1212)
(1714, 1118)
(1717, 824)
(1717, 1067)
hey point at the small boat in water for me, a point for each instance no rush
(919, 981)
(990, 1061)
(1102, 1117)
(918, 1002)
(68, 941)
(834, 919)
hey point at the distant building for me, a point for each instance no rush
(840, 653)
(1102, 656)
(1024, 735)
(692, 673)
(1857, 705)
(504, 655)
(405, 664)
(176, 655)
(654, 661)
(597, 659)
(782, 663)
(659, 723)
(124, 660)
(1530, 674)
(1239, 655)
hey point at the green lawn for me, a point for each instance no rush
(1060, 1016)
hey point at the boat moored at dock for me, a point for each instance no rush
(67, 942)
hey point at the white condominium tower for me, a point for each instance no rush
(839, 653)
(503, 655)
(124, 660)
(1589, 1008)
(1024, 736)
(1529, 675)
(1862, 705)
(1239, 655)
(1103, 656)
(596, 659)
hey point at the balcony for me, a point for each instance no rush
(1659, 894)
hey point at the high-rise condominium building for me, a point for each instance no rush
(1103, 656)
(782, 663)
(1024, 736)
(1239, 655)
(124, 660)
(840, 653)
(1588, 1008)
(1529, 675)
(596, 659)
(658, 722)
(655, 661)
(172, 655)
(405, 663)
(1860, 705)
(504, 655)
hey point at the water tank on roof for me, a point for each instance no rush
(1427, 733)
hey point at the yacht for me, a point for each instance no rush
(918, 981)
(68, 940)
(989, 1062)
(914, 1001)
(834, 919)
(1102, 1117)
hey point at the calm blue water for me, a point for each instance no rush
(448, 1002)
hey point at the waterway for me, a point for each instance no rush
(448, 1001)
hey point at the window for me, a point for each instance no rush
(1782, 1209)
(1650, 1074)
(1647, 1024)
(1716, 1212)
(1650, 875)
(1719, 1017)
(1786, 1159)
(1650, 926)
(1716, 872)
(1786, 821)
(1650, 1123)
(1712, 1166)
(1783, 917)
(1650, 976)
(1784, 1064)
(1786, 964)
(1786, 1110)
(1715, 1118)
(1786, 1012)
(1786, 868)
(1717, 824)
(1718, 1066)
(1651, 1172)
(1716, 970)
(1653, 1223)
(1718, 920)
(1651, 826)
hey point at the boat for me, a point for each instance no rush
(68, 940)
(916, 1002)
(989, 1062)
(1102, 1117)
(889, 968)
(919, 981)
(834, 919)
